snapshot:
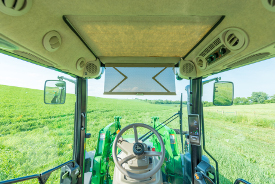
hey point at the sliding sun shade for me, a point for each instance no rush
(141, 36)
(139, 81)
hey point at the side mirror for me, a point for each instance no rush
(54, 92)
(223, 93)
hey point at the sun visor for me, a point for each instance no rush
(139, 81)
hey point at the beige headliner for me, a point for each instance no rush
(142, 36)
(44, 16)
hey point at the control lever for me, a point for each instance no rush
(70, 174)
(199, 179)
(207, 171)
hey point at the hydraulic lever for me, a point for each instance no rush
(200, 178)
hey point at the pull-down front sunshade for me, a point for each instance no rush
(139, 81)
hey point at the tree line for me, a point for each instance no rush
(255, 98)
(164, 101)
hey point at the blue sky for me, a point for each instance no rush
(252, 78)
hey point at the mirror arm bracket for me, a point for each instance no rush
(210, 80)
(61, 78)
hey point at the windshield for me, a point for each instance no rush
(35, 137)
(237, 136)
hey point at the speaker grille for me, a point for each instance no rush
(210, 47)
(91, 68)
(249, 59)
(187, 68)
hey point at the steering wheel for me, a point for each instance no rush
(136, 150)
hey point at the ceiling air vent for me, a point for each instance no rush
(269, 5)
(15, 7)
(52, 41)
(80, 64)
(211, 47)
(235, 39)
(200, 63)
(32, 57)
(249, 60)
(7, 45)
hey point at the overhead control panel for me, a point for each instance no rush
(194, 129)
(227, 44)
(216, 55)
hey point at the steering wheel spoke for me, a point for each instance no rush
(127, 158)
(152, 153)
(125, 146)
(136, 134)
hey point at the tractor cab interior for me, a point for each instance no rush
(141, 48)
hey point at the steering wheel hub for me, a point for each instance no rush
(138, 148)
(134, 150)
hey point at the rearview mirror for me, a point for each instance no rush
(223, 93)
(54, 92)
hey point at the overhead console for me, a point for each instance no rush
(259, 55)
(228, 43)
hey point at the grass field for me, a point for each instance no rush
(243, 144)
(35, 137)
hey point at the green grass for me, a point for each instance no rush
(243, 144)
(35, 137)
(261, 115)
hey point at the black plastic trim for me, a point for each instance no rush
(196, 108)
(180, 121)
(20, 179)
(78, 35)
(239, 180)
(80, 125)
